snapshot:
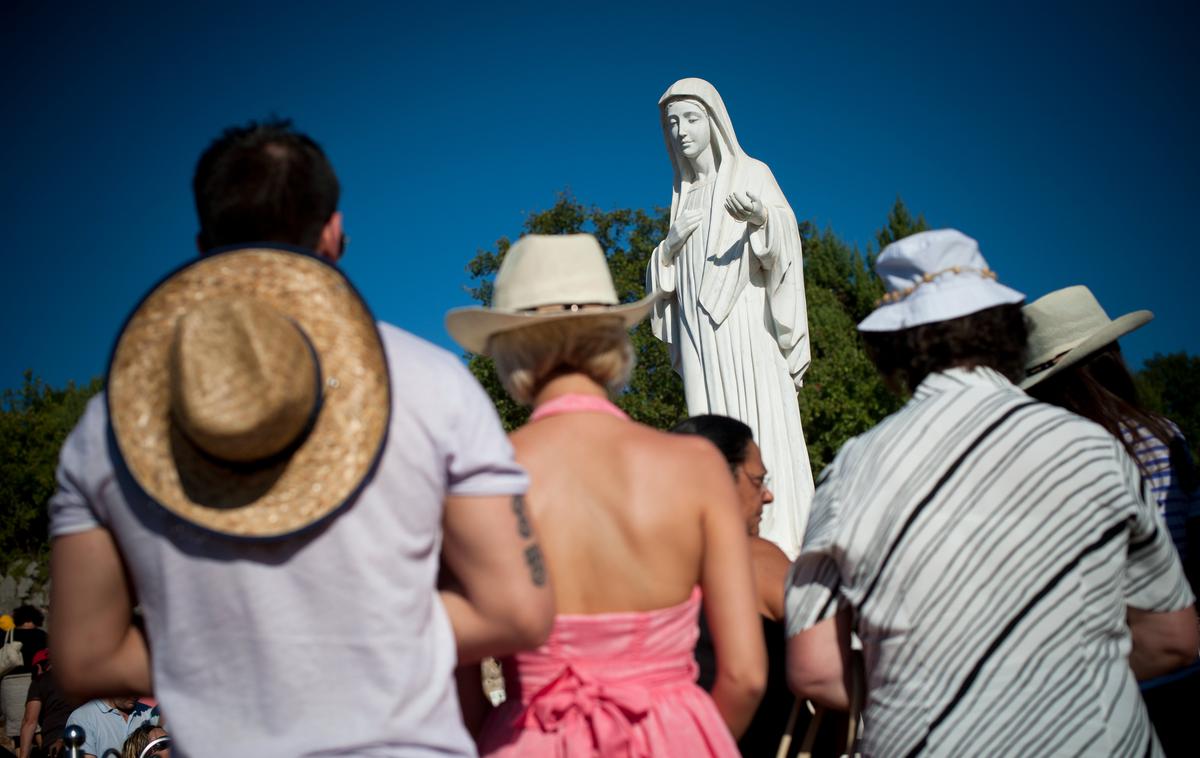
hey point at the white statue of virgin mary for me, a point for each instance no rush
(732, 285)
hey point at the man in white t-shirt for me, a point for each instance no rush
(278, 481)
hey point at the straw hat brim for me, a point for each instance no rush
(1115, 329)
(326, 470)
(472, 327)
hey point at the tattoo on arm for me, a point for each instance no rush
(518, 507)
(537, 568)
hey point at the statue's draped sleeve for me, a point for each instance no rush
(776, 245)
(664, 323)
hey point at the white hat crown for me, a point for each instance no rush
(545, 277)
(541, 270)
(934, 276)
(1068, 325)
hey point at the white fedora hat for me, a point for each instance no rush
(543, 278)
(1066, 327)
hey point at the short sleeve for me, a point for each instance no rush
(479, 457)
(71, 506)
(81, 719)
(36, 688)
(1154, 578)
(814, 582)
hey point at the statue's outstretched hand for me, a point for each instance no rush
(745, 206)
(685, 223)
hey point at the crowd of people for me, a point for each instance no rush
(37, 712)
(325, 528)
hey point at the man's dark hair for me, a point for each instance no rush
(27, 614)
(731, 436)
(994, 337)
(264, 183)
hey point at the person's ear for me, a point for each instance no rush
(329, 245)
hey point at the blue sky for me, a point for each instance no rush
(1063, 138)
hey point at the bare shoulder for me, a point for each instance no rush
(692, 465)
(768, 554)
(771, 566)
(689, 451)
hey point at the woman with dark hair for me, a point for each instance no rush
(14, 687)
(636, 525)
(1075, 362)
(736, 443)
(988, 550)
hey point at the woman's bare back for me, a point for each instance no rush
(620, 509)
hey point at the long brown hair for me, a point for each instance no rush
(1101, 389)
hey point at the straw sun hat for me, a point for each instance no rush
(248, 392)
(1067, 326)
(545, 278)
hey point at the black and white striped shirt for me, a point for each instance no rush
(988, 547)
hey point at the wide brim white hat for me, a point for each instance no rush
(545, 278)
(1068, 325)
(934, 276)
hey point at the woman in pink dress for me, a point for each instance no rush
(635, 526)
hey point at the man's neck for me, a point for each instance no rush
(124, 714)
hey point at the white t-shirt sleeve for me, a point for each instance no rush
(479, 457)
(72, 507)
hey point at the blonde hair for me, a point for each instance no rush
(139, 739)
(528, 357)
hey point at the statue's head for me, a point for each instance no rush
(690, 127)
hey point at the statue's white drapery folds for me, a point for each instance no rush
(733, 309)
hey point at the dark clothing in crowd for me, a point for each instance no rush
(765, 730)
(32, 641)
(56, 708)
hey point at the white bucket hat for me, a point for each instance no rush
(1067, 326)
(934, 276)
(545, 278)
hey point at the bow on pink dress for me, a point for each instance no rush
(613, 685)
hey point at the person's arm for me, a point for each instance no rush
(819, 662)
(1162, 642)
(1160, 607)
(502, 601)
(33, 709)
(730, 600)
(97, 650)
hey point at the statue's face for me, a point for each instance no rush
(690, 127)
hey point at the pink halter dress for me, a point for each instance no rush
(608, 684)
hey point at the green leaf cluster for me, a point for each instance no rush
(1170, 384)
(34, 422)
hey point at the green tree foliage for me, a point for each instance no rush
(900, 224)
(34, 422)
(1170, 384)
(842, 395)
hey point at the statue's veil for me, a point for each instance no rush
(723, 281)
